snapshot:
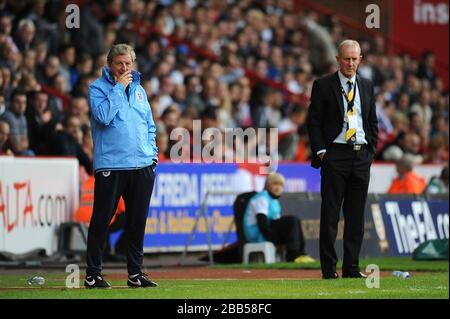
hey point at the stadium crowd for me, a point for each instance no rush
(229, 63)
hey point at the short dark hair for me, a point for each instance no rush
(209, 113)
(17, 92)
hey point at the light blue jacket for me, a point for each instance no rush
(260, 203)
(123, 129)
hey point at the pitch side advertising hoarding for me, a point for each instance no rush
(410, 222)
(180, 190)
(36, 195)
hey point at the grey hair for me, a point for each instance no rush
(346, 43)
(27, 22)
(120, 49)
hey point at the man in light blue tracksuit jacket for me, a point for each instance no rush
(125, 159)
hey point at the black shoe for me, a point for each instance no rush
(357, 274)
(140, 280)
(96, 282)
(333, 275)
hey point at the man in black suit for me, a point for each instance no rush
(343, 132)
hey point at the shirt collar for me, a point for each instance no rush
(344, 79)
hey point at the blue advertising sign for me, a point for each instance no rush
(181, 188)
(409, 223)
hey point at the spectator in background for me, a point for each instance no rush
(321, 43)
(240, 95)
(407, 181)
(67, 56)
(5, 82)
(87, 143)
(8, 57)
(50, 69)
(426, 67)
(439, 126)
(68, 143)
(26, 32)
(438, 184)
(42, 123)
(78, 107)
(162, 142)
(83, 67)
(288, 130)
(165, 92)
(170, 118)
(29, 62)
(5, 30)
(267, 113)
(2, 102)
(17, 121)
(27, 82)
(406, 144)
(303, 147)
(4, 134)
(412, 148)
(437, 151)
(89, 36)
(150, 56)
(384, 111)
(422, 107)
(403, 102)
(193, 90)
(82, 85)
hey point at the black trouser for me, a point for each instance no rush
(136, 187)
(345, 181)
(118, 225)
(287, 230)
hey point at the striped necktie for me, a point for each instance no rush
(350, 90)
(350, 134)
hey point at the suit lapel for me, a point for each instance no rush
(336, 85)
(362, 97)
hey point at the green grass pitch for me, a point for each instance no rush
(430, 281)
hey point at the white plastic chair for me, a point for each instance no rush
(267, 248)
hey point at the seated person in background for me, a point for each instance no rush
(68, 143)
(263, 221)
(4, 134)
(407, 181)
(15, 117)
(438, 184)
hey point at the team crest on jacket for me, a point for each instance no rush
(140, 97)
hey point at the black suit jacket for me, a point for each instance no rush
(326, 114)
